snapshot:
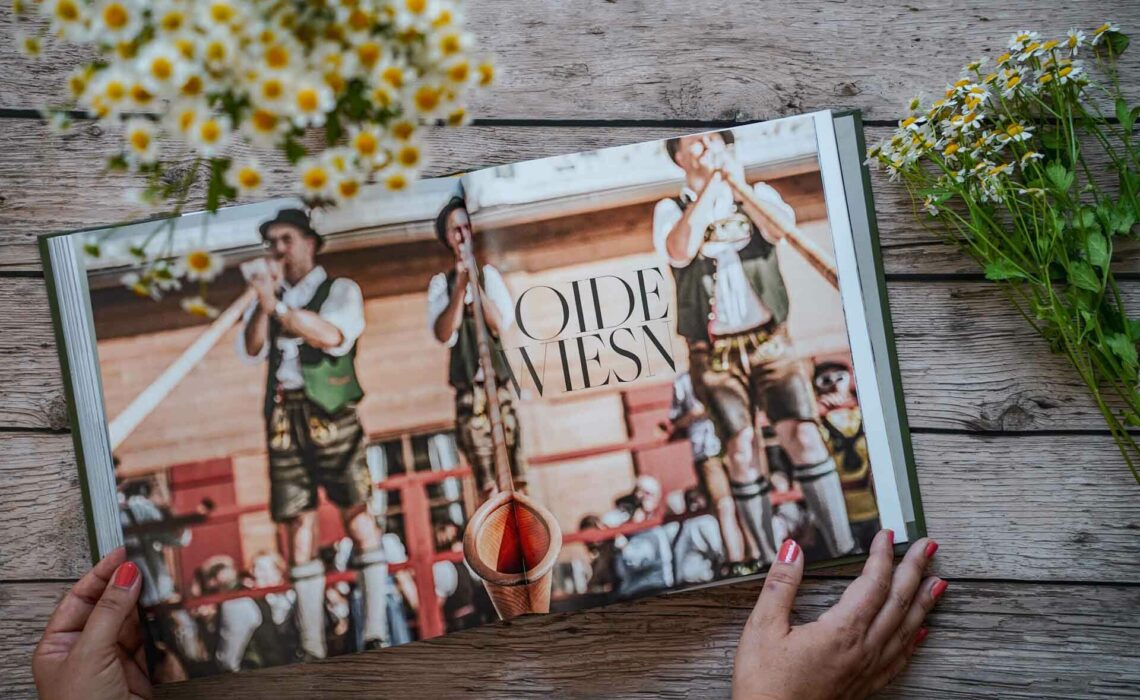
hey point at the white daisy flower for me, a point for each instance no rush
(197, 306)
(218, 48)
(142, 286)
(30, 44)
(263, 128)
(367, 142)
(69, 18)
(114, 21)
(1099, 32)
(246, 176)
(163, 70)
(211, 134)
(309, 101)
(170, 16)
(1015, 132)
(1074, 42)
(315, 177)
(408, 156)
(346, 187)
(1021, 39)
(199, 266)
(108, 92)
(218, 13)
(448, 44)
(412, 14)
(183, 115)
(141, 136)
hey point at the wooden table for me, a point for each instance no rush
(1037, 515)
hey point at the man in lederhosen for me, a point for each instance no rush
(451, 318)
(306, 324)
(720, 239)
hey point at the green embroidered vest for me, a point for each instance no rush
(464, 362)
(330, 382)
(695, 284)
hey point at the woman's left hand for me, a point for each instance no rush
(93, 644)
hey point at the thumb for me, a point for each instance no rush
(115, 605)
(774, 608)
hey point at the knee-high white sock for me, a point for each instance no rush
(756, 514)
(823, 495)
(373, 589)
(309, 584)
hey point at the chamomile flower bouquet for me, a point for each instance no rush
(341, 87)
(1032, 167)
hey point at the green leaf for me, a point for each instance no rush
(998, 270)
(92, 249)
(1086, 220)
(333, 129)
(217, 190)
(1059, 176)
(1096, 249)
(1117, 42)
(1121, 219)
(1134, 328)
(1082, 275)
(1122, 347)
(294, 151)
(1124, 115)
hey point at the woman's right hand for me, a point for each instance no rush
(855, 648)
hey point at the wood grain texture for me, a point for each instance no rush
(717, 59)
(987, 640)
(1005, 507)
(968, 361)
(51, 183)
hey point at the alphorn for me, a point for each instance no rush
(511, 542)
(811, 252)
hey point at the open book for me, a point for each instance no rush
(532, 388)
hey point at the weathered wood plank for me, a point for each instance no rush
(42, 174)
(739, 60)
(987, 640)
(968, 361)
(1003, 507)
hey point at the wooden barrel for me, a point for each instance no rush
(512, 543)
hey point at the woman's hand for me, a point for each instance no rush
(93, 644)
(856, 647)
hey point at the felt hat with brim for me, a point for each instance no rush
(293, 217)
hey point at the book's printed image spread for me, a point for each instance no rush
(539, 387)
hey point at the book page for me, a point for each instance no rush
(687, 356)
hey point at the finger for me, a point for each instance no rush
(865, 596)
(115, 606)
(895, 666)
(137, 681)
(904, 584)
(774, 607)
(928, 594)
(131, 633)
(72, 612)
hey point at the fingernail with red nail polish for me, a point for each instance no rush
(922, 632)
(931, 548)
(789, 552)
(126, 575)
(939, 589)
(890, 536)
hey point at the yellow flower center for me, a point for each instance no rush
(348, 188)
(365, 143)
(368, 53)
(76, 84)
(185, 47)
(1045, 78)
(67, 11)
(408, 156)
(459, 72)
(403, 130)
(449, 44)
(210, 131)
(1012, 81)
(216, 51)
(115, 16)
(307, 99)
(1004, 58)
(359, 20)
(905, 123)
(962, 83)
(396, 181)
(1102, 28)
(271, 89)
(1014, 130)
(393, 76)
(221, 12)
(263, 120)
(186, 120)
(277, 57)
(1065, 71)
(315, 178)
(445, 18)
(415, 6)
(427, 98)
(457, 117)
(249, 178)
(486, 74)
(1050, 45)
(140, 140)
(198, 261)
(381, 97)
(1072, 42)
(1033, 47)
(172, 21)
(162, 68)
(192, 86)
(140, 95)
(951, 149)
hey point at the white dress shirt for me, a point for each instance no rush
(493, 286)
(344, 308)
(738, 308)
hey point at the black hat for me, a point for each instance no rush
(441, 218)
(293, 217)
